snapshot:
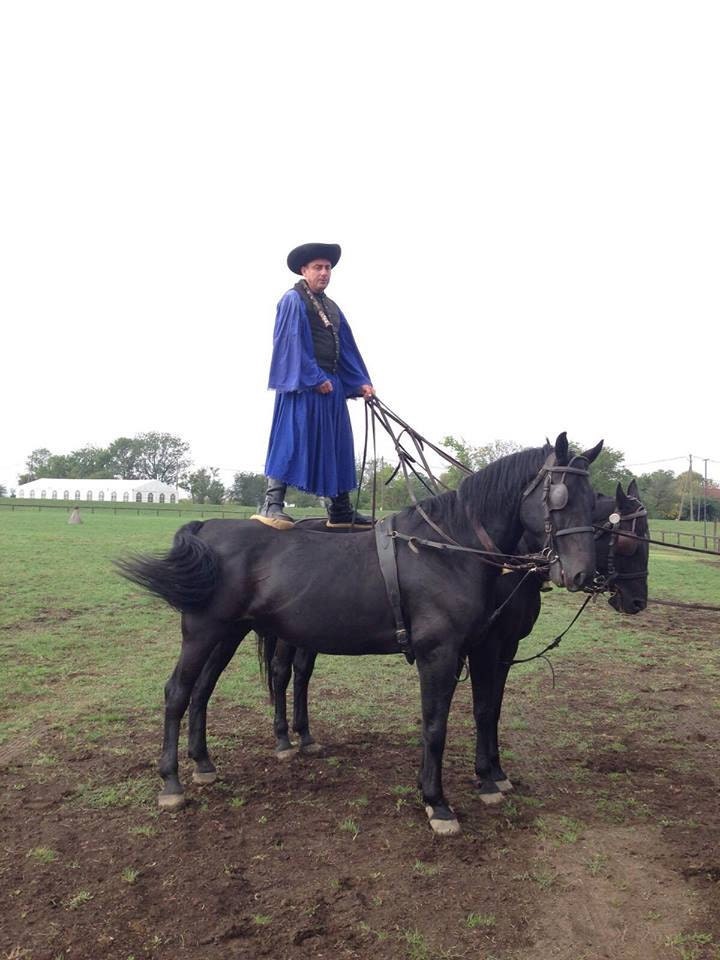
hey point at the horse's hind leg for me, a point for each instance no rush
(205, 771)
(280, 673)
(200, 637)
(303, 666)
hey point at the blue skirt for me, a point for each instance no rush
(311, 442)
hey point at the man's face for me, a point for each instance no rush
(317, 274)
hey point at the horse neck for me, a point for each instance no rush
(492, 497)
(488, 499)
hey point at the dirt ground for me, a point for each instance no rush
(608, 848)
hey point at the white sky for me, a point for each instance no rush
(527, 196)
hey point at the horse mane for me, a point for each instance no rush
(493, 490)
(489, 492)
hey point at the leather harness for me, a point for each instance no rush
(555, 496)
(385, 542)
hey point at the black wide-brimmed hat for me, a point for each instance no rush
(308, 252)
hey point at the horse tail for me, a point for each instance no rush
(266, 644)
(186, 577)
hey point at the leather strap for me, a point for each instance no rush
(385, 543)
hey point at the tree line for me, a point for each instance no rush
(166, 457)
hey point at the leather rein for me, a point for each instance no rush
(554, 497)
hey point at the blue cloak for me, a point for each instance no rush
(311, 442)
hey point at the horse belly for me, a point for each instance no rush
(335, 628)
(317, 591)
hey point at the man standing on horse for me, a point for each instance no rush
(315, 367)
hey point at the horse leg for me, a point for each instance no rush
(303, 666)
(205, 770)
(200, 637)
(280, 672)
(438, 679)
(483, 665)
(515, 623)
(497, 773)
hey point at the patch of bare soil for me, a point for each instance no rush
(607, 849)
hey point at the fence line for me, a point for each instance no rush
(92, 507)
(673, 537)
(243, 513)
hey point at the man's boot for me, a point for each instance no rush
(341, 513)
(271, 512)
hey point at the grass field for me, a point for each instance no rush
(69, 622)
(607, 849)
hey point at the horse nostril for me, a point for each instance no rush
(579, 580)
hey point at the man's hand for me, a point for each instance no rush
(367, 391)
(325, 387)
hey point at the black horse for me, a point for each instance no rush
(621, 561)
(228, 577)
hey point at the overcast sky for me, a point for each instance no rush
(527, 196)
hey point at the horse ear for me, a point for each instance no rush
(633, 489)
(562, 450)
(620, 497)
(591, 455)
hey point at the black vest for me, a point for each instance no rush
(326, 340)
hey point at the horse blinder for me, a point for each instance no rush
(557, 496)
(625, 546)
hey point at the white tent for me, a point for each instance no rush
(98, 491)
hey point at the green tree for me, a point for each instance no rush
(3, 490)
(161, 456)
(608, 470)
(122, 458)
(660, 494)
(690, 487)
(475, 458)
(90, 463)
(300, 498)
(35, 465)
(248, 489)
(391, 488)
(60, 465)
(147, 456)
(204, 485)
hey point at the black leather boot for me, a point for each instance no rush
(271, 512)
(341, 513)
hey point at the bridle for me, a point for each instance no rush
(623, 542)
(555, 496)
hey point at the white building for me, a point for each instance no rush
(99, 491)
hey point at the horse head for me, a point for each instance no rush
(623, 548)
(557, 508)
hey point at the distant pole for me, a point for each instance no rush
(705, 500)
(690, 487)
(682, 501)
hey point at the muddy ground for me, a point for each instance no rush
(607, 849)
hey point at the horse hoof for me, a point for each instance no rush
(284, 755)
(204, 776)
(311, 749)
(171, 801)
(504, 786)
(493, 797)
(444, 828)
